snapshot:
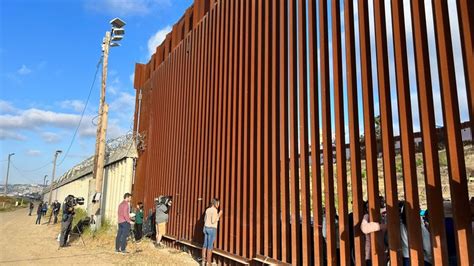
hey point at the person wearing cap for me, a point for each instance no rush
(162, 217)
(124, 224)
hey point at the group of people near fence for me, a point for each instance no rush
(159, 219)
(368, 227)
(131, 223)
(42, 209)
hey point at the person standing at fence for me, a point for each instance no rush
(427, 254)
(162, 210)
(139, 222)
(211, 219)
(32, 206)
(124, 224)
(367, 227)
(39, 213)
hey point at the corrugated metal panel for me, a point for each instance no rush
(117, 182)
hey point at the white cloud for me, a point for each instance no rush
(123, 103)
(88, 131)
(132, 77)
(75, 105)
(114, 130)
(7, 134)
(114, 85)
(33, 153)
(24, 70)
(6, 107)
(157, 39)
(34, 119)
(50, 137)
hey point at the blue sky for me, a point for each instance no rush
(49, 51)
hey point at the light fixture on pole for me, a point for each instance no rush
(111, 39)
(8, 172)
(44, 180)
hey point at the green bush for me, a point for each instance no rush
(8, 203)
(443, 160)
(80, 214)
(419, 162)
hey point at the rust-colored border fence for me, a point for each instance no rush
(294, 112)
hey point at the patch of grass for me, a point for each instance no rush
(80, 214)
(398, 166)
(443, 160)
(8, 203)
(105, 228)
(419, 162)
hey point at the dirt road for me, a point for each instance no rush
(24, 243)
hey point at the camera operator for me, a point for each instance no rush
(162, 210)
(66, 222)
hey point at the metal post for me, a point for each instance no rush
(137, 134)
(8, 172)
(44, 180)
(52, 176)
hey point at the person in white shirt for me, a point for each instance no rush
(211, 220)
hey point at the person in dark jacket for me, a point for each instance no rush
(55, 208)
(32, 206)
(139, 222)
(44, 208)
(39, 213)
(66, 222)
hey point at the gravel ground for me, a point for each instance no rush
(24, 243)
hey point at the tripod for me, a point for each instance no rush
(79, 232)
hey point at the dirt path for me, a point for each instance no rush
(24, 243)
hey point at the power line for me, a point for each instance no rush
(19, 171)
(83, 111)
(36, 169)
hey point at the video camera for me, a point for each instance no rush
(72, 201)
(163, 200)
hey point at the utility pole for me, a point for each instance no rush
(99, 156)
(116, 34)
(52, 176)
(8, 173)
